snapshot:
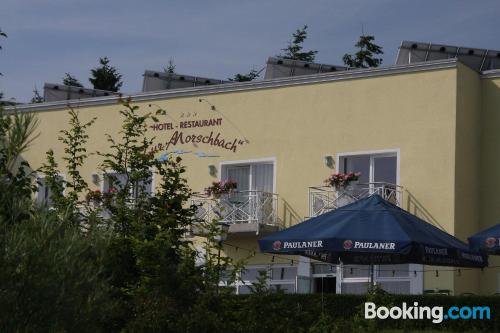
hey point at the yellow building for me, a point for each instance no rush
(423, 134)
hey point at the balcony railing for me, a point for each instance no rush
(326, 198)
(239, 207)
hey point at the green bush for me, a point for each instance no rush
(337, 313)
(52, 277)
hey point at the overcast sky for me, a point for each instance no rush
(48, 38)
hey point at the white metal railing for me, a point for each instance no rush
(239, 207)
(323, 199)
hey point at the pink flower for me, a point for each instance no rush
(342, 179)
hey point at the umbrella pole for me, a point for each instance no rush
(371, 277)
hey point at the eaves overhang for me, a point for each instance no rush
(243, 86)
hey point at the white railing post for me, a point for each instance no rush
(324, 199)
(241, 207)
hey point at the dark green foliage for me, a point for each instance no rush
(75, 153)
(51, 276)
(170, 68)
(2, 34)
(158, 280)
(326, 324)
(105, 76)
(252, 75)
(365, 57)
(294, 49)
(342, 313)
(69, 80)
(16, 177)
(149, 262)
(37, 98)
(74, 141)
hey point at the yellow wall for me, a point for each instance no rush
(489, 205)
(467, 167)
(414, 113)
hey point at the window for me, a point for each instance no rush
(116, 181)
(356, 271)
(355, 288)
(251, 176)
(279, 277)
(389, 271)
(392, 278)
(379, 174)
(249, 276)
(283, 278)
(324, 269)
(283, 273)
(44, 193)
(374, 168)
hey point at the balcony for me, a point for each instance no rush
(244, 211)
(326, 198)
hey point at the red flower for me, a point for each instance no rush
(221, 187)
(341, 179)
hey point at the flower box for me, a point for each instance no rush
(218, 188)
(343, 180)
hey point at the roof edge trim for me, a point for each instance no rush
(243, 86)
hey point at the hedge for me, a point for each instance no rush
(298, 313)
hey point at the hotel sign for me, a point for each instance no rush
(186, 132)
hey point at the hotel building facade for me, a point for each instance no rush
(424, 134)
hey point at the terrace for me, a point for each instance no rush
(244, 211)
(327, 198)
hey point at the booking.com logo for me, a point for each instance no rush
(436, 313)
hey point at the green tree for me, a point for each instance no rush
(170, 68)
(365, 57)
(126, 266)
(69, 80)
(75, 154)
(252, 75)
(294, 49)
(4, 35)
(151, 261)
(52, 273)
(52, 276)
(37, 98)
(17, 132)
(105, 76)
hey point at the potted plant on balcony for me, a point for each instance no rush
(97, 198)
(218, 188)
(342, 180)
(94, 197)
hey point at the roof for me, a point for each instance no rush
(252, 85)
(477, 59)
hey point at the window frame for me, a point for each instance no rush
(250, 162)
(373, 154)
(270, 282)
(111, 171)
(43, 176)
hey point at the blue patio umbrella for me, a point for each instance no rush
(372, 231)
(487, 241)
